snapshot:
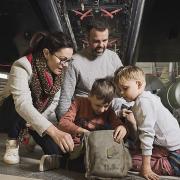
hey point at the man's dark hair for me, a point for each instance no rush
(100, 24)
(103, 89)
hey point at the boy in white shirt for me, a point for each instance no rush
(155, 124)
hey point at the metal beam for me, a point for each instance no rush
(136, 17)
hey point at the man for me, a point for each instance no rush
(93, 62)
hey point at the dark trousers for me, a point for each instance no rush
(47, 144)
(14, 123)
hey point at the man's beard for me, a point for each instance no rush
(98, 53)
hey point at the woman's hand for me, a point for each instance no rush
(62, 139)
(119, 133)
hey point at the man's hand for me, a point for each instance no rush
(119, 133)
(62, 139)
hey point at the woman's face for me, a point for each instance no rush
(57, 61)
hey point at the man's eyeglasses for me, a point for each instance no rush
(63, 60)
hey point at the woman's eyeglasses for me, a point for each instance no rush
(63, 60)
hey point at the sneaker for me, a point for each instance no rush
(49, 162)
(11, 155)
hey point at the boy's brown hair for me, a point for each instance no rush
(127, 73)
(103, 89)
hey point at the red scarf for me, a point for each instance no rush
(44, 85)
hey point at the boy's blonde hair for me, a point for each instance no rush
(129, 73)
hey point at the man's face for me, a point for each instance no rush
(98, 105)
(98, 41)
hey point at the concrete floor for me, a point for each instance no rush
(28, 168)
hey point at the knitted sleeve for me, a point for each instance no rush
(67, 90)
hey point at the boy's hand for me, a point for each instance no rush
(119, 133)
(128, 114)
(81, 130)
(146, 170)
(147, 173)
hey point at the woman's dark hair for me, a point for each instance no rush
(52, 41)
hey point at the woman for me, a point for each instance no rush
(32, 94)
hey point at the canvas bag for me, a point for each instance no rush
(104, 158)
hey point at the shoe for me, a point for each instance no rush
(11, 155)
(30, 146)
(49, 162)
